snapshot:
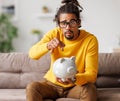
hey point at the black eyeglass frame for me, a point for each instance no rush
(70, 23)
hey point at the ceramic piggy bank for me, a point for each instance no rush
(65, 68)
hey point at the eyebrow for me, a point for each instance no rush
(68, 21)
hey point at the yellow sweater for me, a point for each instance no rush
(84, 48)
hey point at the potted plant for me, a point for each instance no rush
(37, 33)
(7, 33)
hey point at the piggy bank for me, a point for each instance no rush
(65, 68)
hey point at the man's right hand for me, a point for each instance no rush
(54, 43)
(68, 81)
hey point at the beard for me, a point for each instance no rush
(69, 35)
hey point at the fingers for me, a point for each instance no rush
(52, 44)
(55, 43)
(68, 81)
(61, 81)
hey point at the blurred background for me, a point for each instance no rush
(29, 20)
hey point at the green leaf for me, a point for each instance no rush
(7, 33)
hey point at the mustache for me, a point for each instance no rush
(68, 31)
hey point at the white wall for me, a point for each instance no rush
(28, 19)
(100, 17)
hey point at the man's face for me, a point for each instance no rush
(69, 25)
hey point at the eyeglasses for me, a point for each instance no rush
(72, 23)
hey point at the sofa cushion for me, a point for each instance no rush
(12, 95)
(17, 69)
(67, 99)
(109, 94)
(109, 70)
(109, 64)
(108, 82)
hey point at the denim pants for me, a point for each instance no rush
(37, 91)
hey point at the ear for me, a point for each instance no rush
(79, 23)
(72, 58)
(62, 60)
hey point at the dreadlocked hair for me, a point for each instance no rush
(69, 6)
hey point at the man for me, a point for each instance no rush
(67, 40)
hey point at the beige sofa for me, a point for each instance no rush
(17, 70)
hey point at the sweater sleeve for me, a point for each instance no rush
(40, 48)
(91, 64)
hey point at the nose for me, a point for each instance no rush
(68, 26)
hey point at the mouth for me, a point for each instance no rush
(68, 32)
(69, 35)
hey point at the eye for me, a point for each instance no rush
(63, 23)
(73, 22)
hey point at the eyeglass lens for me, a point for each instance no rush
(71, 23)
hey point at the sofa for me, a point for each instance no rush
(17, 70)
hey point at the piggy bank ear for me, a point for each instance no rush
(72, 58)
(62, 60)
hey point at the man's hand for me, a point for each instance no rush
(54, 43)
(68, 81)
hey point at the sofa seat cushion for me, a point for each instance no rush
(14, 95)
(108, 94)
(67, 99)
(104, 94)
